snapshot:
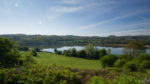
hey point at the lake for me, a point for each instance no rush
(114, 50)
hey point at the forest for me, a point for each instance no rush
(36, 40)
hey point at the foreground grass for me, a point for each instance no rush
(68, 62)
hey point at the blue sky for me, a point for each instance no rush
(75, 17)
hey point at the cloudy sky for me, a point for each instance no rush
(75, 17)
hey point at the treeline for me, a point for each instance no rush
(74, 40)
(89, 52)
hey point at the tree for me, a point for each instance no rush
(89, 49)
(37, 49)
(9, 55)
(81, 54)
(134, 48)
(34, 53)
(24, 48)
(102, 52)
(55, 50)
(73, 52)
(108, 60)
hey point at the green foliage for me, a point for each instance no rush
(142, 57)
(28, 58)
(134, 48)
(57, 52)
(108, 60)
(46, 40)
(102, 53)
(130, 66)
(73, 52)
(24, 48)
(37, 74)
(119, 63)
(89, 52)
(81, 54)
(123, 79)
(9, 55)
(144, 66)
(98, 80)
(89, 49)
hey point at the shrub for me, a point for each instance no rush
(57, 52)
(130, 66)
(28, 58)
(73, 52)
(123, 79)
(144, 66)
(34, 53)
(142, 57)
(119, 63)
(102, 53)
(108, 60)
(9, 55)
(81, 53)
(99, 80)
(24, 48)
(38, 74)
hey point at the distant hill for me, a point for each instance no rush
(74, 40)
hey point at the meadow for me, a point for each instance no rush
(67, 62)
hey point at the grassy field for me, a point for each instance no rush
(69, 62)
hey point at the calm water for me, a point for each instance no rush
(114, 50)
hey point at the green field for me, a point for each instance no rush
(69, 62)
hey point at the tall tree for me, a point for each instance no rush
(134, 48)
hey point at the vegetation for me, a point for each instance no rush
(37, 40)
(108, 60)
(134, 48)
(9, 55)
(35, 67)
(89, 52)
(67, 62)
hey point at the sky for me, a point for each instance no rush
(75, 17)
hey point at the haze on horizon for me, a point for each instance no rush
(75, 17)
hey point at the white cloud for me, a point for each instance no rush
(63, 9)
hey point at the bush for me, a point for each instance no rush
(119, 63)
(9, 55)
(81, 54)
(99, 80)
(24, 48)
(102, 53)
(34, 53)
(122, 79)
(142, 57)
(108, 60)
(28, 58)
(144, 66)
(57, 52)
(130, 66)
(38, 74)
